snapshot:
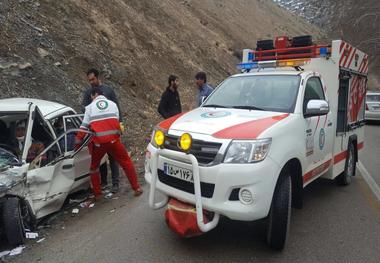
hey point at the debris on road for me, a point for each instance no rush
(16, 251)
(4, 253)
(75, 211)
(40, 240)
(31, 235)
(87, 204)
(109, 195)
(112, 210)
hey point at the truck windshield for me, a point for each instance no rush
(266, 92)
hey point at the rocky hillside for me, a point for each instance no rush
(46, 46)
(352, 20)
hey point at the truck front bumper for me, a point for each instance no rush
(223, 189)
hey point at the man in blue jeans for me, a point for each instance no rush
(108, 92)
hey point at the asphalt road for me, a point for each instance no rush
(337, 224)
(371, 152)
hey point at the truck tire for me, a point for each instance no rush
(345, 178)
(13, 226)
(279, 214)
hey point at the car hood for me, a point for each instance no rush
(224, 123)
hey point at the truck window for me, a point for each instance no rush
(261, 92)
(344, 84)
(313, 91)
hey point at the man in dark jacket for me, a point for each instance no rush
(170, 103)
(108, 92)
(204, 89)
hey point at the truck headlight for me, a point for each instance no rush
(158, 138)
(243, 151)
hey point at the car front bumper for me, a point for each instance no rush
(372, 115)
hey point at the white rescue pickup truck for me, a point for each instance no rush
(295, 114)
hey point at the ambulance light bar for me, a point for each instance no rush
(292, 62)
(247, 66)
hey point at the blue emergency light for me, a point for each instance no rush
(247, 65)
(251, 56)
(323, 51)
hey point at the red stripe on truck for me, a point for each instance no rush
(348, 54)
(323, 167)
(341, 46)
(360, 146)
(343, 155)
(316, 171)
(249, 130)
(352, 57)
(168, 122)
(340, 157)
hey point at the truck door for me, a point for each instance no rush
(318, 129)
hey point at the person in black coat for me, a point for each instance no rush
(170, 103)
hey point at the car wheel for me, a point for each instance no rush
(345, 178)
(279, 214)
(13, 223)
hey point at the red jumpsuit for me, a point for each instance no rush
(102, 117)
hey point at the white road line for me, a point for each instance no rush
(369, 180)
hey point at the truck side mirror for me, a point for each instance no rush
(316, 108)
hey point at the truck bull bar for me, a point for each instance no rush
(197, 186)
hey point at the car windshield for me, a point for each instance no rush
(373, 97)
(266, 92)
(7, 159)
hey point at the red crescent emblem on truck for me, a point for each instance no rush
(249, 130)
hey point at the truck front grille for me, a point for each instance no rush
(205, 152)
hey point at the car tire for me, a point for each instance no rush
(345, 178)
(279, 214)
(13, 225)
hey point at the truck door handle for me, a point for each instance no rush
(67, 166)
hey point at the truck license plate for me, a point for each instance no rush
(178, 172)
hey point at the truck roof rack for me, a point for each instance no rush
(283, 52)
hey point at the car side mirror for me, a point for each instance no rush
(316, 108)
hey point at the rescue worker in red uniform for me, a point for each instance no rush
(102, 118)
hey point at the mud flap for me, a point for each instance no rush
(182, 218)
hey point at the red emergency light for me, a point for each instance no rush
(289, 48)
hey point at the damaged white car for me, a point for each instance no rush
(39, 167)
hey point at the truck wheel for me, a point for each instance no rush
(13, 226)
(279, 215)
(345, 178)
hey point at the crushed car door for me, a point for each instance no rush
(40, 172)
(28, 135)
(51, 181)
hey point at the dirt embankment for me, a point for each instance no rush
(354, 21)
(46, 46)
